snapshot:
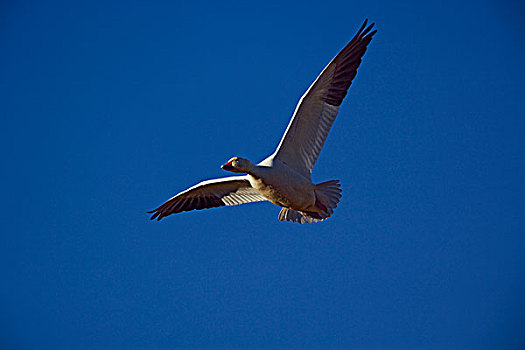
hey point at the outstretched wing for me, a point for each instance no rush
(316, 111)
(231, 190)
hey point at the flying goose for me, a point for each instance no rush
(284, 178)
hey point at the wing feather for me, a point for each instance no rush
(318, 107)
(233, 190)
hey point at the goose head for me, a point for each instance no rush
(238, 165)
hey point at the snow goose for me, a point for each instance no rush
(284, 178)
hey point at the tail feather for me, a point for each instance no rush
(328, 193)
(327, 197)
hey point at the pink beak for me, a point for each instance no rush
(228, 166)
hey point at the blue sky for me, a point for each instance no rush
(109, 108)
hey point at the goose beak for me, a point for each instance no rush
(228, 166)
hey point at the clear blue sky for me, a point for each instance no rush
(109, 108)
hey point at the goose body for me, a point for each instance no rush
(284, 178)
(282, 185)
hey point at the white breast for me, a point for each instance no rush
(283, 186)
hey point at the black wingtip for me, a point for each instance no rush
(363, 25)
(363, 33)
(155, 214)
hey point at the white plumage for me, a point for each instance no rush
(284, 178)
